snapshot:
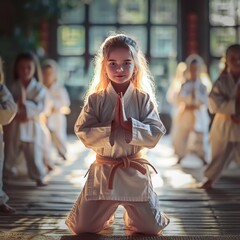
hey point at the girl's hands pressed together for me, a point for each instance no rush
(22, 113)
(120, 120)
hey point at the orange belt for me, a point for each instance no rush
(235, 119)
(135, 161)
(191, 107)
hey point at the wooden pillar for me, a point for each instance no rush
(195, 28)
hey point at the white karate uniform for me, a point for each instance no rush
(27, 136)
(131, 188)
(191, 115)
(58, 99)
(8, 109)
(224, 133)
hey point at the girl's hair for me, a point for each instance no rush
(30, 57)
(233, 47)
(1, 71)
(195, 59)
(202, 69)
(52, 64)
(177, 82)
(141, 79)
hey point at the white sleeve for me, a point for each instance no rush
(147, 131)
(36, 105)
(62, 98)
(219, 101)
(201, 95)
(186, 93)
(89, 130)
(8, 108)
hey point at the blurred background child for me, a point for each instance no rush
(191, 120)
(224, 102)
(24, 133)
(57, 106)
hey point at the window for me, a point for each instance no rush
(97, 36)
(220, 39)
(139, 33)
(163, 41)
(71, 40)
(163, 12)
(76, 15)
(103, 12)
(81, 31)
(72, 70)
(132, 12)
(224, 20)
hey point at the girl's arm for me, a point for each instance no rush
(193, 93)
(35, 105)
(219, 101)
(62, 100)
(147, 131)
(201, 95)
(186, 94)
(89, 129)
(8, 107)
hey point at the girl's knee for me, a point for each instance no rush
(78, 227)
(152, 226)
(146, 229)
(155, 228)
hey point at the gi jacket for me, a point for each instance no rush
(30, 131)
(93, 128)
(199, 100)
(222, 102)
(8, 109)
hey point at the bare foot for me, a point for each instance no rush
(41, 183)
(206, 185)
(63, 156)
(179, 160)
(6, 208)
(50, 167)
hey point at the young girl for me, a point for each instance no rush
(118, 120)
(8, 109)
(24, 133)
(224, 102)
(191, 116)
(57, 106)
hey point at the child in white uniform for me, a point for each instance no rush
(119, 119)
(224, 102)
(24, 132)
(8, 109)
(191, 116)
(57, 107)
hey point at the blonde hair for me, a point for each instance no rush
(177, 82)
(142, 78)
(1, 71)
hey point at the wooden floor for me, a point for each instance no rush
(193, 211)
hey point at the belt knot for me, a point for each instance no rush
(134, 161)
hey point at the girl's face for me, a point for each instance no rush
(26, 70)
(120, 65)
(193, 71)
(233, 61)
(49, 76)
